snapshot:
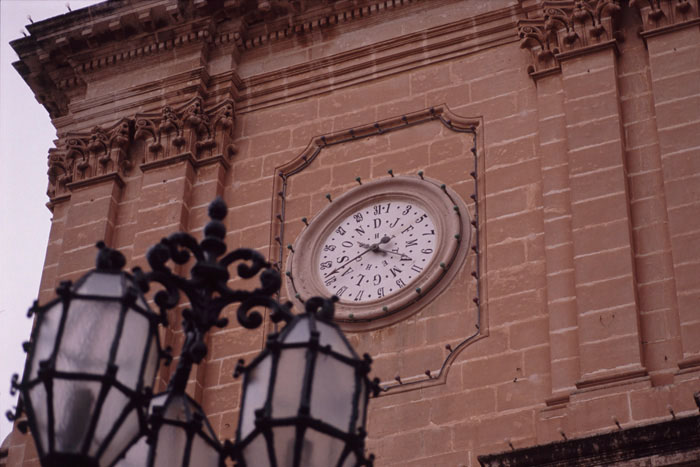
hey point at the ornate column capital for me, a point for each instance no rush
(659, 16)
(187, 132)
(568, 28)
(83, 158)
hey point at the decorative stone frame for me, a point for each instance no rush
(453, 235)
(477, 206)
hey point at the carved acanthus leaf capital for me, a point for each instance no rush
(85, 156)
(658, 14)
(187, 129)
(581, 23)
(541, 42)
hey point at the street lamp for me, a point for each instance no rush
(84, 385)
(94, 354)
(304, 397)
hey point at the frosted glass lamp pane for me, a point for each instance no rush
(170, 448)
(256, 454)
(136, 456)
(362, 405)
(299, 333)
(126, 434)
(74, 406)
(331, 336)
(203, 454)
(103, 284)
(333, 391)
(290, 377)
(39, 403)
(88, 336)
(149, 372)
(132, 346)
(284, 440)
(320, 450)
(350, 461)
(258, 381)
(112, 408)
(176, 409)
(46, 337)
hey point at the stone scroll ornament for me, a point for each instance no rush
(204, 136)
(80, 157)
(187, 129)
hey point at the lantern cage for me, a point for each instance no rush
(304, 399)
(93, 356)
(181, 436)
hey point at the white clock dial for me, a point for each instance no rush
(377, 250)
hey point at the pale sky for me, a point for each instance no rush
(26, 134)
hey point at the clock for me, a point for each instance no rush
(385, 249)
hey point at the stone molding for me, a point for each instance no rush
(187, 129)
(567, 29)
(661, 16)
(174, 134)
(673, 442)
(81, 157)
(59, 57)
(455, 123)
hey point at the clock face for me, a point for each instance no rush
(385, 248)
(377, 250)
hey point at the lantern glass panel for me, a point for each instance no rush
(45, 337)
(332, 336)
(73, 406)
(112, 408)
(37, 396)
(170, 448)
(362, 403)
(291, 372)
(103, 284)
(351, 460)
(256, 389)
(320, 449)
(88, 336)
(299, 331)
(256, 454)
(149, 373)
(203, 453)
(136, 456)
(333, 391)
(125, 435)
(284, 437)
(132, 347)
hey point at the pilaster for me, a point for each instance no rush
(671, 31)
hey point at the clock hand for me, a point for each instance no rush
(375, 246)
(402, 255)
(368, 248)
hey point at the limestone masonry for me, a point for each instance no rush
(569, 334)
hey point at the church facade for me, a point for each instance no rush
(540, 306)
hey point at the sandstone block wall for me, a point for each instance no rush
(575, 314)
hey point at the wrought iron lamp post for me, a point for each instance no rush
(94, 354)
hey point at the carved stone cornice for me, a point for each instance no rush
(660, 16)
(207, 136)
(60, 53)
(566, 29)
(81, 158)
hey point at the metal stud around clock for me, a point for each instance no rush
(386, 248)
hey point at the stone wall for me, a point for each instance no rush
(571, 136)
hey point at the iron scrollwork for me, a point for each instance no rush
(206, 289)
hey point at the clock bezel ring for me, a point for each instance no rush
(453, 238)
